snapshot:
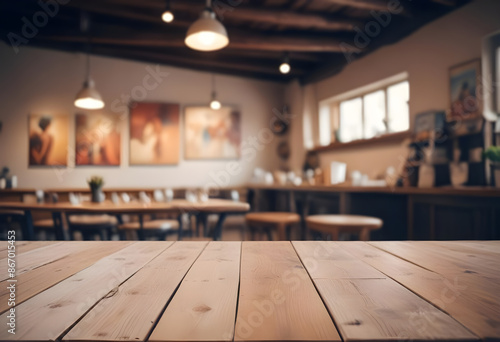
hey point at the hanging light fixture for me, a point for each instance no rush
(214, 104)
(207, 33)
(88, 97)
(167, 15)
(285, 65)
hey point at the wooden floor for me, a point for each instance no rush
(253, 291)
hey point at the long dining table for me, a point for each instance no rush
(251, 291)
(221, 207)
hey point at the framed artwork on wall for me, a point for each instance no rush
(212, 134)
(97, 139)
(48, 140)
(465, 86)
(154, 133)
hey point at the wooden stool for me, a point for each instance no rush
(266, 220)
(335, 224)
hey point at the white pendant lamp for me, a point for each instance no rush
(285, 66)
(167, 15)
(207, 33)
(88, 97)
(214, 104)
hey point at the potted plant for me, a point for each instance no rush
(492, 153)
(96, 183)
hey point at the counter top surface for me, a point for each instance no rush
(253, 291)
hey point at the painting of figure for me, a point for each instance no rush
(154, 133)
(212, 134)
(465, 99)
(97, 139)
(48, 140)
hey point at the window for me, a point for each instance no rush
(374, 114)
(373, 111)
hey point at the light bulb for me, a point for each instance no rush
(285, 68)
(215, 105)
(206, 38)
(167, 16)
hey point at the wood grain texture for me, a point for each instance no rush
(204, 307)
(278, 301)
(475, 304)
(368, 309)
(31, 283)
(140, 300)
(24, 246)
(451, 262)
(49, 314)
(46, 254)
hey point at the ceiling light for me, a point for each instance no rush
(285, 66)
(207, 33)
(167, 16)
(88, 97)
(215, 104)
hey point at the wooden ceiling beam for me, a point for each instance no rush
(237, 14)
(273, 42)
(367, 5)
(234, 66)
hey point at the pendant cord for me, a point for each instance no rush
(213, 86)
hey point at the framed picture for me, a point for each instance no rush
(48, 140)
(212, 134)
(97, 139)
(465, 100)
(154, 133)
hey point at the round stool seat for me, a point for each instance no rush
(335, 224)
(273, 217)
(282, 221)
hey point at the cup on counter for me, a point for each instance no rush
(169, 194)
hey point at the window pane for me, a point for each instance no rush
(374, 112)
(399, 114)
(324, 126)
(351, 126)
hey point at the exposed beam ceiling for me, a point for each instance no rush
(315, 34)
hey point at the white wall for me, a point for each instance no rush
(426, 55)
(46, 81)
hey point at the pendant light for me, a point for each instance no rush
(88, 97)
(214, 104)
(167, 15)
(207, 33)
(285, 65)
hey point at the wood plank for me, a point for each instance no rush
(278, 301)
(380, 309)
(32, 259)
(141, 299)
(450, 262)
(31, 283)
(25, 246)
(474, 304)
(49, 314)
(487, 247)
(204, 307)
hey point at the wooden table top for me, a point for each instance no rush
(212, 205)
(254, 291)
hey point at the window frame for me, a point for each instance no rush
(363, 122)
